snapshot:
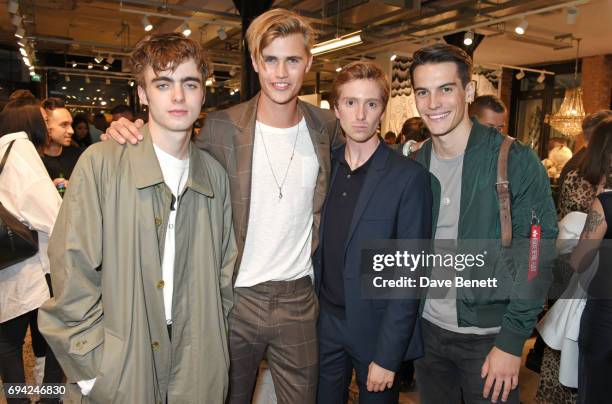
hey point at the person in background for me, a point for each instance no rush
(21, 93)
(27, 192)
(80, 127)
(122, 111)
(588, 124)
(390, 138)
(413, 134)
(595, 338)
(490, 111)
(59, 154)
(98, 127)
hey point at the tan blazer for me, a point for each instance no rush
(228, 135)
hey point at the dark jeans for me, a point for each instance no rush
(595, 360)
(451, 367)
(336, 363)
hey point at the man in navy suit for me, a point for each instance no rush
(375, 194)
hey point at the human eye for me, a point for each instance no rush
(192, 85)
(293, 60)
(447, 90)
(161, 86)
(349, 103)
(420, 93)
(269, 60)
(373, 104)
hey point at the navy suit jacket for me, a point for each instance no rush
(394, 203)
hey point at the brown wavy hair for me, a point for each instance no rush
(361, 70)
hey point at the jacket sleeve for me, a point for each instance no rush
(401, 315)
(531, 192)
(230, 252)
(72, 321)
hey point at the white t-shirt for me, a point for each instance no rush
(279, 236)
(175, 174)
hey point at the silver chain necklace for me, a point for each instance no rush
(282, 184)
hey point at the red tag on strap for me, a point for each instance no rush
(534, 248)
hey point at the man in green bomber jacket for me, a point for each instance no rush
(474, 337)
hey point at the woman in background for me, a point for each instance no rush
(27, 192)
(80, 126)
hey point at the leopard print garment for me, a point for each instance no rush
(550, 391)
(577, 194)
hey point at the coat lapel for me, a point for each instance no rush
(373, 177)
(243, 147)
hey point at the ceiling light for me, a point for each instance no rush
(571, 15)
(16, 20)
(468, 38)
(74, 64)
(110, 59)
(222, 34)
(64, 87)
(81, 89)
(103, 103)
(231, 92)
(520, 75)
(185, 28)
(22, 43)
(67, 79)
(105, 67)
(131, 83)
(112, 99)
(522, 27)
(146, 24)
(12, 6)
(23, 52)
(210, 82)
(27, 61)
(32, 73)
(90, 65)
(20, 33)
(337, 43)
(541, 78)
(108, 81)
(338, 69)
(31, 67)
(393, 57)
(232, 72)
(98, 90)
(98, 59)
(87, 80)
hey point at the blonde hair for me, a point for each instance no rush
(277, 23)
(361, 70)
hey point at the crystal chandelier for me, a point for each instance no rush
(568, 119)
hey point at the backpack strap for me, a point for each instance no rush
(6, 153)
(503, 192)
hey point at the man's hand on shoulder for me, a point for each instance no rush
(124, 130)
(501, 370)
(379, 378)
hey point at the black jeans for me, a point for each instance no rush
(595, 359)
(451, 367)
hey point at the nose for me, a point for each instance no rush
(70, 130)
(178, 94)
(434, 101)
(281, 70)
(361, 112)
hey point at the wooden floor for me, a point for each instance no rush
(528, 381)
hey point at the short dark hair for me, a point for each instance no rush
(414, 129)
(121, 109)
(489, 102)
(52, 103)
(598, 157)
(443, 53)
(19, 117)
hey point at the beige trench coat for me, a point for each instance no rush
(107, 317)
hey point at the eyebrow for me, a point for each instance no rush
(264, 56)
(449, 84)
(169, 80)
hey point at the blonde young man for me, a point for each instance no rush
(375, 194)
(143, 251)
(276, 150)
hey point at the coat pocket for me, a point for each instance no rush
(111, 369)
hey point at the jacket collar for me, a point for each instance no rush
(12, 136)
(148, 172)
(249, 115)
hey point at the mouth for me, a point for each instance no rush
(280, 86)
(360, 127)
(438, 117)
(178, 112)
